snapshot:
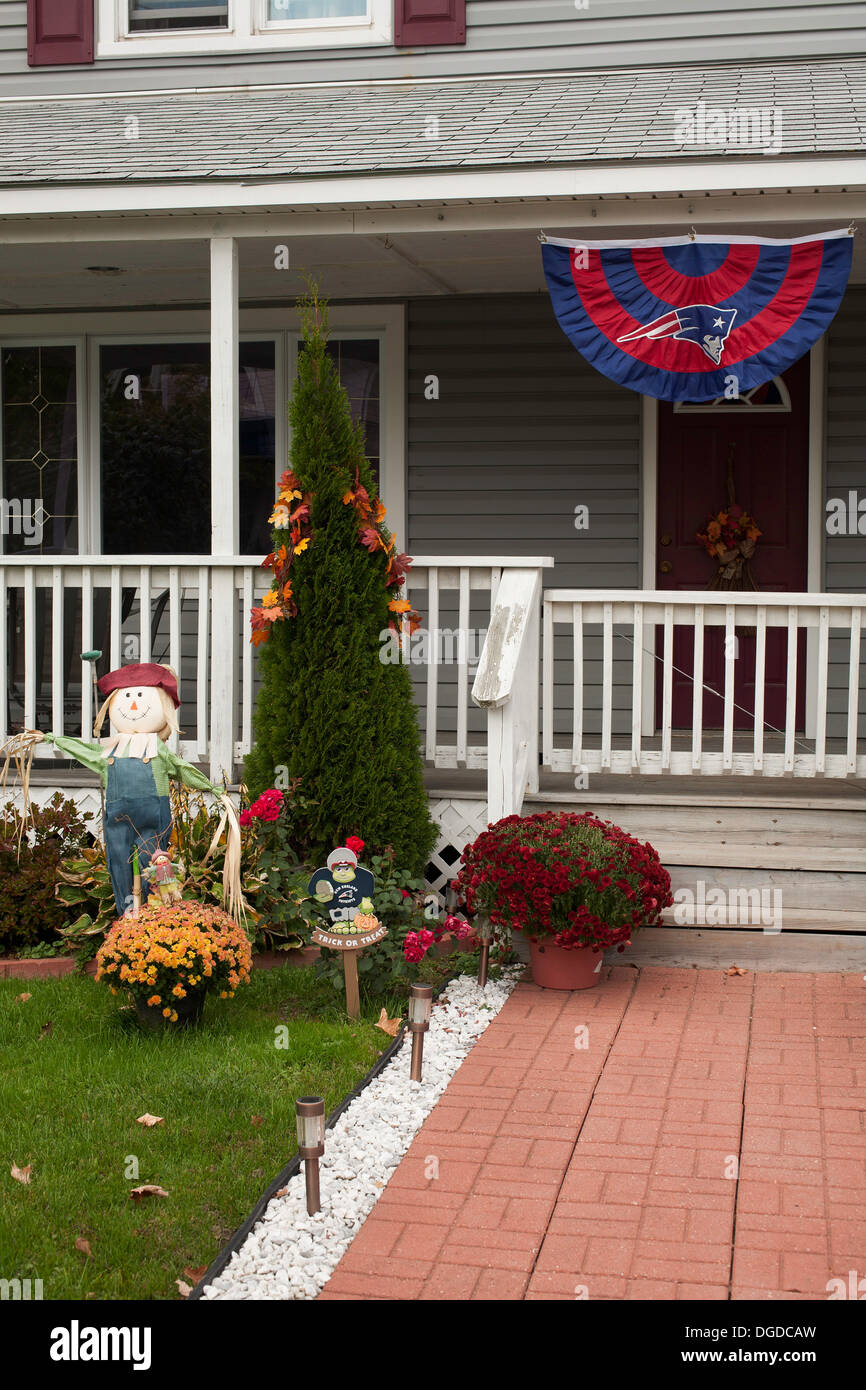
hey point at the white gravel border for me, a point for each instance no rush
(290, 1255)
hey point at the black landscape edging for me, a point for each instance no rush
(292, 1168)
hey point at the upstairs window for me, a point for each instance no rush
(145, 16)
(162, 28)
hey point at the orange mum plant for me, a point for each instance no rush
(171, 951)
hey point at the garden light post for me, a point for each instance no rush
(310, 1118)
(420, 1009)
(485, 933)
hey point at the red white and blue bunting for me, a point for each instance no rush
(696, 317)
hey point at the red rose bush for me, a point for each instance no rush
(572, 879)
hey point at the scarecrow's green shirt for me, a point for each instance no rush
(165, 765)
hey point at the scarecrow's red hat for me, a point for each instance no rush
(148, 673)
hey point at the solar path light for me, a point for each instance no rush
(310, 1117)
(420, 1009)
(485, 932)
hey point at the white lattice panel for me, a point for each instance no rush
(460, 822)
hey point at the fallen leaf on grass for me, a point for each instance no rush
(150, 1120)
(255, 1119)
(388, 1025)
(736, 970)
(195, 1274)
(22, 998)
(183, 1289)
(84, 1246)
(148, 1189)
(46, 1028)
(21, 1174)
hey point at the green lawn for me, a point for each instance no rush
(70, 1096)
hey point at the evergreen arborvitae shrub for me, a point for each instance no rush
(329, 710)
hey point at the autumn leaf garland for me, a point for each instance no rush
(292, 513)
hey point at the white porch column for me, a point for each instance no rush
(224, 501)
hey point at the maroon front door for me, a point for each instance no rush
(770, 471)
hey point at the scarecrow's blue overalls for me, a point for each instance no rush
(134, 816)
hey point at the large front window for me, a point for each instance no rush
(155, 447)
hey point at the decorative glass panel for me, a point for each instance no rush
(316, 9)
(40, 450)
(772, 397)
(148, 15)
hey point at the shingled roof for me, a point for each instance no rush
(298, 132)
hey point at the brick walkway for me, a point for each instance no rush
(671, 1134)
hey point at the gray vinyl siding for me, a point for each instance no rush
(845, 471)
(523, 431)
(502, 36)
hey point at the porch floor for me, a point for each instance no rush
(707, 1144)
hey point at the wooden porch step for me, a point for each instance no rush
(794, 919)
(722, 854)
(751, 950)
(809, 890)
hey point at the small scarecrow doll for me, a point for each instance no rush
(162, 877)
(136, 766)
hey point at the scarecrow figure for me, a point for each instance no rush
(135, 766)
(343, 884)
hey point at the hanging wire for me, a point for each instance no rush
(708, 689)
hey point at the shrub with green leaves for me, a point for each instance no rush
(30, 857)
(329, 709)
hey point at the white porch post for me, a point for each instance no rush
(224, 501)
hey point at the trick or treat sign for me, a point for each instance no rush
(347, 892)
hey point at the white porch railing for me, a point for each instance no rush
(606, 674)
(193, 613)
(617, 725)
(464, 601)
(138, 610)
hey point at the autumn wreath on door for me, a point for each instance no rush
(730, 536)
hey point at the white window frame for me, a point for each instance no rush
(74, 340)
(248, 29)
(89, 330)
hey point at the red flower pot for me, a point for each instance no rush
(554, 967)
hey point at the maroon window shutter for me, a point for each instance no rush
(422, 22)
(59, 31)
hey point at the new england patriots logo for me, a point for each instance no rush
(705, 325)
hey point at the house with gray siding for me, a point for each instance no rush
(171, 171)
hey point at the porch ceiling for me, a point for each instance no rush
(117, 274)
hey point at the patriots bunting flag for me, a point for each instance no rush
(692, 318)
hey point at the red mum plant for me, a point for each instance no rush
(571, 878)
